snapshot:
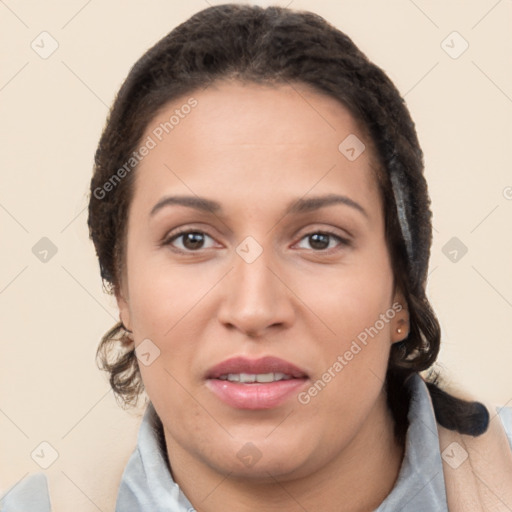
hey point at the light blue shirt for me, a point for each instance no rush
(147, 484)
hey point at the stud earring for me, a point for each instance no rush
(399, 330)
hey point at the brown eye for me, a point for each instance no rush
(322, 241)
(319, 240)
(190, 240)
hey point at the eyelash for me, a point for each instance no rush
(174, 236)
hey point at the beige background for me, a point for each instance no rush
(52, 112)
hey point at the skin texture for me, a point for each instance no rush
(255, 149)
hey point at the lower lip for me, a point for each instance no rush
(255, 395)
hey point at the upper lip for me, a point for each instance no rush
(268, 364)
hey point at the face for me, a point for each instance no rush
(284, 277)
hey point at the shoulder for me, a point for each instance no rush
(28, 495)
(505, 415)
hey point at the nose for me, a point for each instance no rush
(256, 297)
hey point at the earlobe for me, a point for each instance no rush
(401, 328)
(124, 311)
(400, 325)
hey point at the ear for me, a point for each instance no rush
(400, 324)
(124, 308)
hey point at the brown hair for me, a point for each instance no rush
(279, 45)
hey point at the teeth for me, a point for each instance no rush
(251, 377)
(281, 376)
(265, 377)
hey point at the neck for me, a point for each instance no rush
(357, 479)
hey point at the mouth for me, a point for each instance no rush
(248, 378)
(263, 383)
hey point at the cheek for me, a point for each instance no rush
(357, 355)
(358, 313)
(162, 294)
(351, 299)
(167, 306)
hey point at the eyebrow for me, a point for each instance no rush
(302, 205)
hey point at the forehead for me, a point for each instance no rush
(263, 139)
(249, 113)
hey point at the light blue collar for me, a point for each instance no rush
(147, 483)
(420, 485)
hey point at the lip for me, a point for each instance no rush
(255, 395)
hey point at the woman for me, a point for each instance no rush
(259, 210)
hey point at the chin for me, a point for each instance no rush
(263, 461)
(266, 471)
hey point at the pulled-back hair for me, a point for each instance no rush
(275, 46)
